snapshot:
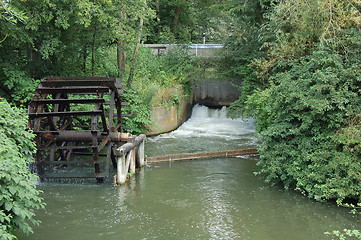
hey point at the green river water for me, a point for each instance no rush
(200, 199)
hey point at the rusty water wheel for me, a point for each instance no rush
(76, 116)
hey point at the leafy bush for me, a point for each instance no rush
(342, 235)
(310, 121)
(19, 196)
(140, 111)
(159, 81)
(20, 87)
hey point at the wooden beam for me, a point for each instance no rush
(190, 156)
(74, 90)
(67, 83)
(59, 114)
(68, 101)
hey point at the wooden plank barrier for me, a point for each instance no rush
(129, 156)
(200, 155)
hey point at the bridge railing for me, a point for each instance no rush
(129, 156)
(201, 50)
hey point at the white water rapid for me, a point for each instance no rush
(206, 130)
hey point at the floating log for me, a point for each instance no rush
(200, 155)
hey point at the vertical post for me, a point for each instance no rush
(121, 172)
(140, 154)
(52, 155)
(132, 160)
(111, 112)
(94, 128)
(131, 154)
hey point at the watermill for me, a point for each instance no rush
(74, 116)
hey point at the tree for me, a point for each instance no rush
(243, 45)
(294, 28)
(138, 41)
(180, 21)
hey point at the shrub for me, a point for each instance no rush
(310, 121)
(140, 119)
(18, 194)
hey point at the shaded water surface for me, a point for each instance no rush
(201, 199)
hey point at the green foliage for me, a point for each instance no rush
(180, 21)
(345, 234)
(295, 27)
(301, 80)
(178, 63)
(9, 13)
(18, 83)
(242, 47)
(254, 105)
(140, 111)
(310, 126)
(9, 16)
(159, 79)
(19, 196)
(66, 38)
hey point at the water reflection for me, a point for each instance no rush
(219, 219)
(204, 199)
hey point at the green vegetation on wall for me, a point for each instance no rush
(159, 81)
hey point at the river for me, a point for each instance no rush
(200, 199)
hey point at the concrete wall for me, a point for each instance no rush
(210, 92)
(216, 92)
(167, 119)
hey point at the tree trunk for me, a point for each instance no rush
(85, 52)
(121, 59)
(175, 21)
(93, 53)
(121, 55)
(159, 30)
(134, 60)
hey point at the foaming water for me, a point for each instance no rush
(206, 130)
(200, 111)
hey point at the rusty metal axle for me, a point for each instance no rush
(83, 136)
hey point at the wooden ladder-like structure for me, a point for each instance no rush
(77, 116)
